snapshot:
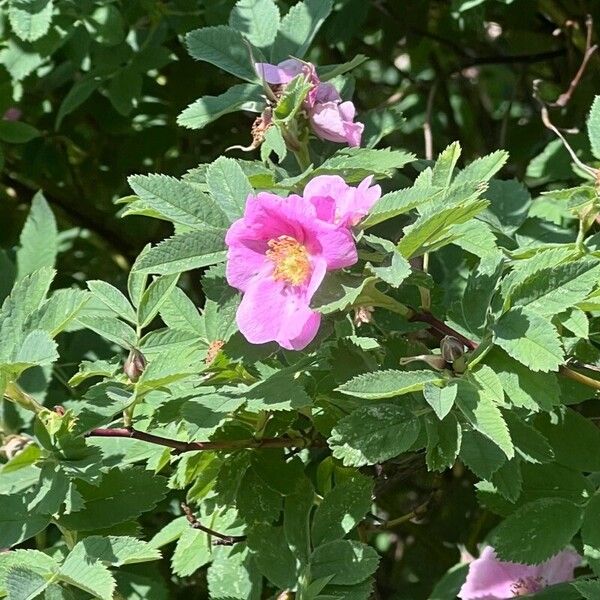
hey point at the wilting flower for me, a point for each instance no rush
(330, 118)
(492, 579)
(337, 202)
(279, 252)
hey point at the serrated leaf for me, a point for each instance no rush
(256, 502)
(347, 561)
(179, 312)
(191, 552)
(444, 440)
(298, 28)
(278, 392)
(38, 348)
(272, 555)
(529, 443)
(341, 510)
(23, 584)
(90, 576)
(117, 550)
(444, 165)
(593, 126)
(223, 47)
(121, 495)
(30, 19)
(154, 297)
(484, 416)
(551, 291)
(482, 169)
(111, 329)
(273, 142)
(16, 523)
(228, 185)
(441, 399)
(59, 311)
(537, 531)
(177, 201)
(232, 575)
(296, 519)
(590, 533)
(38, 240)
(530, 339)
(433, 229)
(257, 20)
(372, 434)
(508, 480)
(113, 298)
(184, 252)
(387, 384)
(210, 108)
(480, 454)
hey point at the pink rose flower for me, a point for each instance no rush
(330, 118)
(278, 254)
(339, 203)
(493, 579)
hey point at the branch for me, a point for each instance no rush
(222, 539)
(441, 327)
(180, 446)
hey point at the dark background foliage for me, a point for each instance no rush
(103, 89)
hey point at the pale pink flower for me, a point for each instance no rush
(492, 579)
(330, 118)
(339, 203)
(278, 254)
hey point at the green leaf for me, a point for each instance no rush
(593, 126)
(229, 186)
(444, 440)
(23, 584)
(117, 550)
(272, 555)
(296, 519)
(30, 19)
(372, 434)
(484, 416)
(571, 436)
(537, 531)
(59, 311)
(347, 561)
(551, 291)
(17, 523)
(39, 239)
(508, 480)
(177, 201)
(256, 502)
(232, 575)
(292, 99)
(530, 339)
(90, 576)
(111, 329)
(76, 96)
(354, 164)
(179, 312)
(523, 387)
(184, 252)
(332, 71)
(210, 108)
(257, 20)
(273, 142)
(154, 297)
(298, 28)
(341, 510)
(441, 399)
(191, 553)
(223, 47)
(121, 496)
(38, 348)
(444, 165)
(398, 203)
(482, 169)
(529, 443)
(278, 392)
(480, 454)
(589, 589)
(434, 227)
(387, 384)
(17, 132)
(113, 298)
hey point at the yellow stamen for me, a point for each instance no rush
(292, 264)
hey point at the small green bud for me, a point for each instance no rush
(134, 365)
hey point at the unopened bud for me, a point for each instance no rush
(451, 348)
(363, 314)
(134, 365)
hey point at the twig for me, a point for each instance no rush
(180, 446)
(222, 539)
(565, 97)
(416, 513)
(579, 377)
(441, 327)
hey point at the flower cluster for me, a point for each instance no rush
(280, 250)
(330, 118)
(492, 579)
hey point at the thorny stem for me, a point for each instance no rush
(222, 539)
(180, 446)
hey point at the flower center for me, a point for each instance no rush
(527, 585)
(290, 257)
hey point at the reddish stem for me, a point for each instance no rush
(441, 327)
